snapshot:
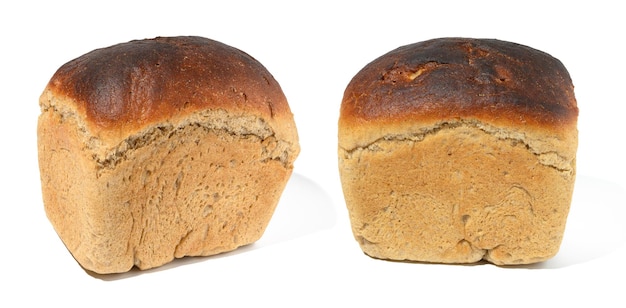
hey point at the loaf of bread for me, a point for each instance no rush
(456, 150)
(162, 148)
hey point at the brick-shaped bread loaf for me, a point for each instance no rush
(455, 150)
(162, 148)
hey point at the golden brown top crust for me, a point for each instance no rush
(460, 78)
(129, 85)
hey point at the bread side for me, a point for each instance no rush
(460, 193)
(176, 189)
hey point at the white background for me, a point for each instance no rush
(307, 256)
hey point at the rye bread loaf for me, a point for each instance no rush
(455, 150)
(162, 148)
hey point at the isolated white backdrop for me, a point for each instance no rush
(307, 256)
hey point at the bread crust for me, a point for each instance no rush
(425, 83)
(456, 150)
(158, 149)
(125, 87)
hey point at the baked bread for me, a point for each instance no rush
(455, 150)
(162, 148)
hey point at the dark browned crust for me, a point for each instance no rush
(145, 81)
(460, 78)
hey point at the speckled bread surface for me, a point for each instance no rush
(456, 150)
(162, 148)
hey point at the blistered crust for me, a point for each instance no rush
(448, 79)
(126, 87)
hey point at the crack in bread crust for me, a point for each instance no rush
(108, 157)
(549, 158)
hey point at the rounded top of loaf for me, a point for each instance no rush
(128, 86)
(451, 79)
